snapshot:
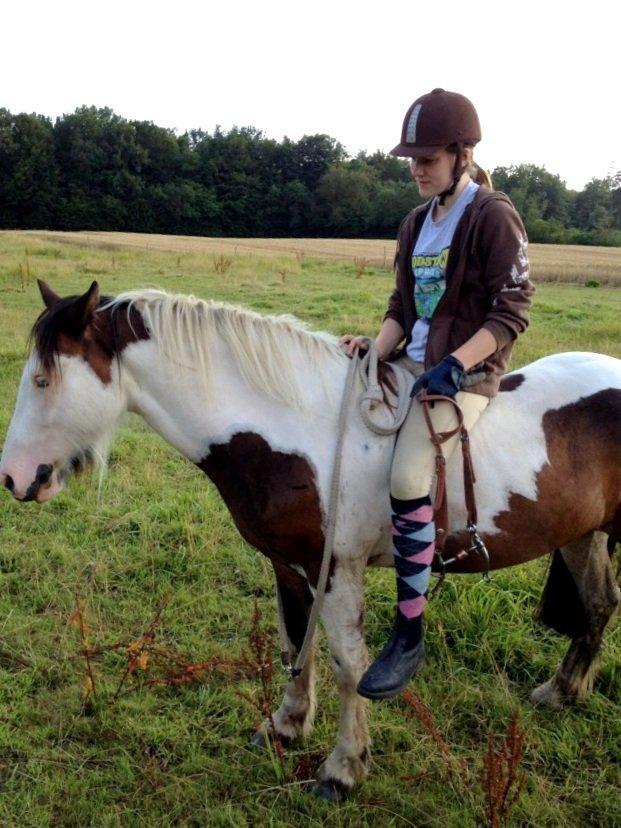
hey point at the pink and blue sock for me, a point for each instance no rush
(413, 546)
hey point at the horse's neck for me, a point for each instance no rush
(190, 416)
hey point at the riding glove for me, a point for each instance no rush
(444, 379)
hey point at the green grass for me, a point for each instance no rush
(180, 755)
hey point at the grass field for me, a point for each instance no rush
(179, 754)
(551, 262)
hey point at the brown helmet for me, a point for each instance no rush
(435, 120)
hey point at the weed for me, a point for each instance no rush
(360, 266)
(78, 620)
(221, 264)
(454, 767)
(138, 650)
(502, 779)
(260, 664)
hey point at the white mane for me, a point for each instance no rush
(272, 352)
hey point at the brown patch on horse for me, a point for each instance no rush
(578, 488)
(272, 497)
(511, 381)
(98, 336)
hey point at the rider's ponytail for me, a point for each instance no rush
(480, 176)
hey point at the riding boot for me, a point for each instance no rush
(399, 661)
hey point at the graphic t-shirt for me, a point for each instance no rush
(429, 259)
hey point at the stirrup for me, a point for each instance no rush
(479, 548)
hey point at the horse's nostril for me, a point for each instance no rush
(44, 472)
(8, 482)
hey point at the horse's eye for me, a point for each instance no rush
(41, 382)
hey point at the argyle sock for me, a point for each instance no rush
(413, 545)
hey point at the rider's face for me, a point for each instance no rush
(434, 173)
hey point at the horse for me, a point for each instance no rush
(253, 401)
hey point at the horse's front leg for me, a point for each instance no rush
(294, 717)
(342, 617)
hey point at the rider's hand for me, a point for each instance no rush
(443, 379)
(348, 342)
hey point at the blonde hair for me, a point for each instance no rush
(476, 173)
(480, 176)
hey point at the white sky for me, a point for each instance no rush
(544, 76)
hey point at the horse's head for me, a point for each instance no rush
(69, 400)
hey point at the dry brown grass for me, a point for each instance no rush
(550, 262)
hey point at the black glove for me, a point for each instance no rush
(444, 378)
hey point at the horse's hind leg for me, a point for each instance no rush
(294, 717)
(588, 563)
(342, 616)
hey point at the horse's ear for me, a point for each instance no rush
(86, 306)
(47, 294)
(80, 312)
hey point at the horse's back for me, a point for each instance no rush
(547, 456)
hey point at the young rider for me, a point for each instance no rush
(462, 296)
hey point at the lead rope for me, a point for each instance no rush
(372, 395)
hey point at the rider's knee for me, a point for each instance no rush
(406, 485)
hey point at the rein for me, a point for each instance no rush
(366, 369)
(440, 506)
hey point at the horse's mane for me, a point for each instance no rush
(272, 352)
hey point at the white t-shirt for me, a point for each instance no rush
(429, 258)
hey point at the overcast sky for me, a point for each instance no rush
(544, 76)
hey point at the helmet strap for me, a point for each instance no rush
(457, 174)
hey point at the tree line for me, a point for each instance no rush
(94, 170)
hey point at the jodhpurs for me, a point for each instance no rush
(414, 461)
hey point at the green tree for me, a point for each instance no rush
(28, 171)
(593, 208)
(536, 193)
(99, 162)
(344, 197)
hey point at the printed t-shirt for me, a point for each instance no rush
(429, 258)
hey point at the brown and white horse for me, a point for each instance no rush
(253, 400)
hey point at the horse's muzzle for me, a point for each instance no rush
(43, 478)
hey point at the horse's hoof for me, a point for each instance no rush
(331, 790)
(549, 695)
(259, 740)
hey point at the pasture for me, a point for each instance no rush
(91, 569)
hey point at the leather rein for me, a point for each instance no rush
(440, 505)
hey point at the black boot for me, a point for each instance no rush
(400, 660)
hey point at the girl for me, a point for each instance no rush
(462, 296)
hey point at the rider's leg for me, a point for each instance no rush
(413, 532)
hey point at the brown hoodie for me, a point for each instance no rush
(487, 284)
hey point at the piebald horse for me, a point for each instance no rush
(253, 401)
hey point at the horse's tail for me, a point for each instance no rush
(561, 606)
